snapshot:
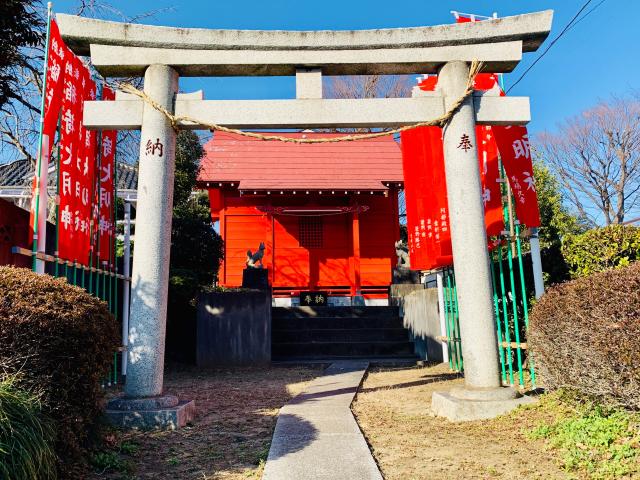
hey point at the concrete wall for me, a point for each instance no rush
(419, 308)
(234, 328)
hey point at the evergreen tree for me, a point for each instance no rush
(20, 26)
(196, 250)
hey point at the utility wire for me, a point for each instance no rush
(567, 27)
(586, 14)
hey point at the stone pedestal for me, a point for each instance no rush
(255, 278)
(163, 412)
(460, 404)
(404, 275)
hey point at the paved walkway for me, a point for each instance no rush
(316, 436)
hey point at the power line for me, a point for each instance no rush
(567, 27)
(586, 15)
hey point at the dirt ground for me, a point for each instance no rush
(408, 442)
(230, 438)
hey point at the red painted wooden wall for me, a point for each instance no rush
(294, 267)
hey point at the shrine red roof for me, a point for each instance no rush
(272, 165)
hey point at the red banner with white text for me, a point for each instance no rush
(513, 144)
(77, 164)
(426, 192)
(106, 199)
(56, 52)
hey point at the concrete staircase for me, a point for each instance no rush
(338, 333)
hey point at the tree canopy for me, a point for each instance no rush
(21, 26)
(195, 246)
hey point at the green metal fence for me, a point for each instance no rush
(511, 299)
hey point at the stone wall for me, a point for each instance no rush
(419, 309)
(234, 328)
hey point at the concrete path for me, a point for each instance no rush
(316, 436)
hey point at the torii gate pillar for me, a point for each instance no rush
(482, 396)
(143, 404)
(150, 275)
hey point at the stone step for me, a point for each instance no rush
(349, 312)
(341, 349)
(332, 323)
(340, 335)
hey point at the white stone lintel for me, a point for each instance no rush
(307, 113)
(79, 32)
(119, 61)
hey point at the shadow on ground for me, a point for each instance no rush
(236, 411)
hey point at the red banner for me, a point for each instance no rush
(426, 191)
(106, 197)
(513, 144)
(411, 162)
(57, 56)
(76, 166)
(57, 52)
(89, 179)
(426, 194)
(490, 176)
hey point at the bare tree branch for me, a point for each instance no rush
(596, 156)
(19, 116)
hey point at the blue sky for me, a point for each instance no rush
(596, 59)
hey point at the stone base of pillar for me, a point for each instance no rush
(156, 413)
(463, 405)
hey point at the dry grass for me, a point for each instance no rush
(408, 442)
(230, 438)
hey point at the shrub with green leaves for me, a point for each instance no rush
(26, 435)
(599, 249)
(61, 340)
(600, 442)
(585, 336)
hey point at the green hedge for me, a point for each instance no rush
(600, 249)
(61, 340)
(585, 336)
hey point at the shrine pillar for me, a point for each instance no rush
(150, 275)
(469, 234)
(356, 294)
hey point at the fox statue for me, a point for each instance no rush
(254, 258)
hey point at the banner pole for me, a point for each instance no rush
(55, 253)
(39, 238)
(126, 271)
(536, 261)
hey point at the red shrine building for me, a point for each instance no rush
(327, 213)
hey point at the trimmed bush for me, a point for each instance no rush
(601, 248)
(26, 435)
(585, 336)
(62, 341)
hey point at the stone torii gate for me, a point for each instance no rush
(162, 54)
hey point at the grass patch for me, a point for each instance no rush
(591, 439)
(26, 436)
(110, 461)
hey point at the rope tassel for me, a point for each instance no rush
(440, 121)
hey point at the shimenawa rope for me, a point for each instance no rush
(440, 121)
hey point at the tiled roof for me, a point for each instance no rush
(262, 165)
(20, 174)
